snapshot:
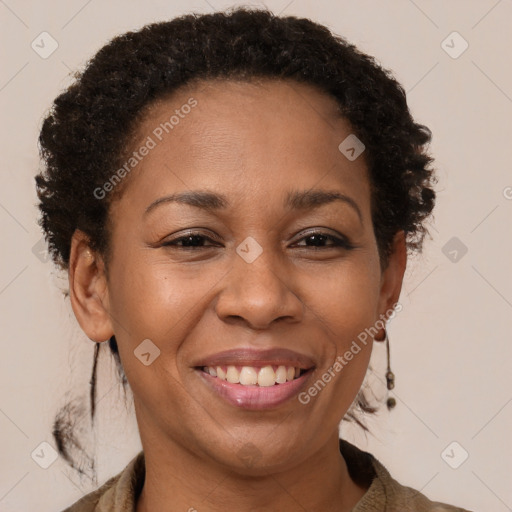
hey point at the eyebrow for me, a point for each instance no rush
(296, 200)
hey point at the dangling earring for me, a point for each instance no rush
(92, 382)
(390, 376)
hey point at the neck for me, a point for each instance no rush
(176, 476)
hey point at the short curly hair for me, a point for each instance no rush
(88, 131)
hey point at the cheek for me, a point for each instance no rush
(153, 311)
(344, 297)
(151, 298)
(345, 305)
(345, 301)
(151, 301)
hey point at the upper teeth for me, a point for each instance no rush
(252, 376)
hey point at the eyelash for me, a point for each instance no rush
(337, 241)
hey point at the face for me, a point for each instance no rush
(243, 244)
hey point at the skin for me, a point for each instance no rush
(253, 143)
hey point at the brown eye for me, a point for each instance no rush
(319, 239)
(190, 241)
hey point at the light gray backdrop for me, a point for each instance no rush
(449, 435)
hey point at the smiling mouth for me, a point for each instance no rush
(256, 376)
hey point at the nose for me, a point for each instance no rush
(259, 293)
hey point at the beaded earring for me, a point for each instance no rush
(390, 376)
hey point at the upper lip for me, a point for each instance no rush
(256, 357)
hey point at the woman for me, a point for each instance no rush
(233, 196)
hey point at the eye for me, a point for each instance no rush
(314, 239)
(192, 241)
(319, 240)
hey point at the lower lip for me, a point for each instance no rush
(255, 397)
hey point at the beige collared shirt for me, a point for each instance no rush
(120, 493)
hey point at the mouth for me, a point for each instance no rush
(260, 376)
(256, 380)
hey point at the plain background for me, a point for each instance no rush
(450, 346)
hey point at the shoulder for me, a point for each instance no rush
(118, 494)
(400, 496)
(384, 492)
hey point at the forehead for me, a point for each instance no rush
(253, 136)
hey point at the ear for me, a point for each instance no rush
(88, 289)
(392, 276)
